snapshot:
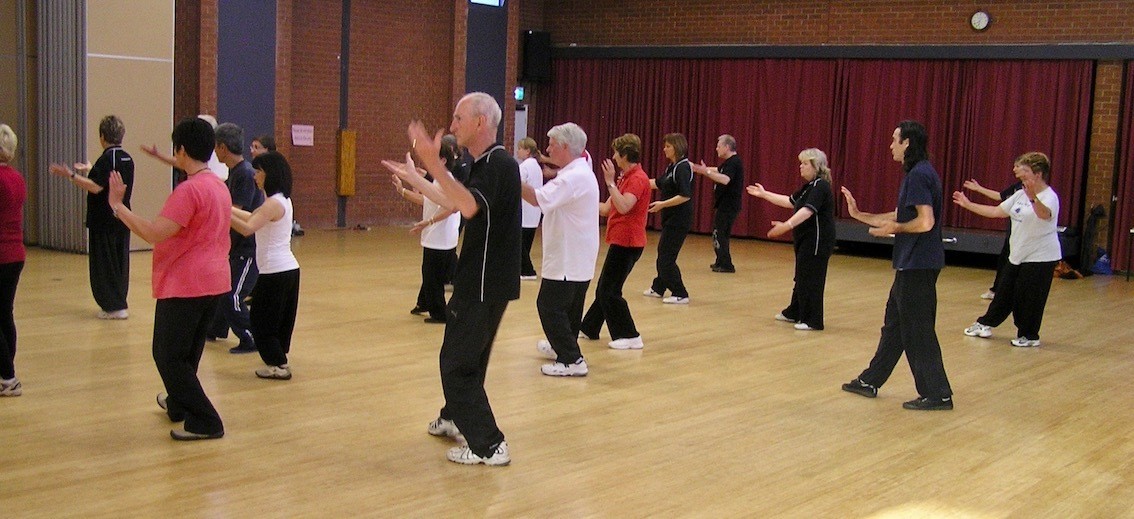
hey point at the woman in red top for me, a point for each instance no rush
(626, 211)
(13, 194)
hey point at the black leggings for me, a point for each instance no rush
(9, 278)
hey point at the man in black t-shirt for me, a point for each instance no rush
(911, 311)
(108, 240)
(488, 271)
(729, 179)
(232, 312)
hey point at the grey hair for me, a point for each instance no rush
(484, 104)
(232, 137)
(728, 140)
(818, 161)
(570, 135)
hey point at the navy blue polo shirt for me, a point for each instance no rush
(921, 186)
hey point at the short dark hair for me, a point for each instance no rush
(232, 137)
(917, 150)
(196, 136)
(277, 173)
(267, 141)
(111, 129)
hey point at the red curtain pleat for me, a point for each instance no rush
(980, 115)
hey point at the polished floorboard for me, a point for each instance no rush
(725, 413)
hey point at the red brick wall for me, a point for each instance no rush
(208, 61)
(401, 62)
(186, 68)
(809, 22)
(1101, 167)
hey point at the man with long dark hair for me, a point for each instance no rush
(919, 256)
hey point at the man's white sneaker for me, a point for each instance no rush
(11, 387)
(465, 456)
(674, 300)
(988, 295)
(1021, 342)
(979, 330)
(649, 292)
(115, 315)
(275, 372)
(559, 369)
(629, 343)
(443, 427)
(781, 317)
(803, 327)
(545, 349)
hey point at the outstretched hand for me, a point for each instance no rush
(960, 199)
(60, 170)
(117, 189)
(852, 205)
(756, 190)
(972, 185)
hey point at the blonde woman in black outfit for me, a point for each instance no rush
(813, 234)
(675, 187)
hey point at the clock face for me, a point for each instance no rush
(979, 20)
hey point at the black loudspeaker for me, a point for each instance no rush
(537, 56)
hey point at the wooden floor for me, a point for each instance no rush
(726, 413)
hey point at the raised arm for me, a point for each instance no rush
(711, 173)
(987, 211)
(153, 232)
(83, 182)
(871, 219)
(453, 194)
(758, 191)
(247, 223)
(973, 185)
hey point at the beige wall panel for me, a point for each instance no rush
(130, 28)
(130, 74)
(9, 63)
(140, 93)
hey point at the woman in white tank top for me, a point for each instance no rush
(275, 298)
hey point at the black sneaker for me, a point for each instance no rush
(241, 349)
(859, 387)
(724, 270)
(929, 404)
(417, 310)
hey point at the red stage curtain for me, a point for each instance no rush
(1124, 209)
(980, 116)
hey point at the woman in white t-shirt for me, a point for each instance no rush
(439, 228)
(531, 174)
(1034, 251)
(275, 299)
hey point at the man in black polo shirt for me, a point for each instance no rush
(919, 256)
(232, 312)
(729, 179)
(488, 271)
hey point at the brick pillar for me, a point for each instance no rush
(1103, 147)
(460, 47)
(208, 53)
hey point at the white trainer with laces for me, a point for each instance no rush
(649, 292)
(979, 330)
(1021, 342)
(543, 346)
(629, 343)
(11, 387)
(988, 296)
(443, 427)
(782, 317)
(803, 327)
(115, 315)
(674, 300)
(465, 456)
(559, 369)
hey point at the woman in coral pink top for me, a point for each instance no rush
(13, 194)
(626, 233)
(190, 273)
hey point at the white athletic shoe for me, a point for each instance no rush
(803, 327)
(629, 343)
(782, 317)
(443, 427)
(559, 369)
(674, 300)
(988, 295)
(465, 456)
(545, 349)
(649, 292)
(979, 330)
(1021, 342)
(115, 315)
